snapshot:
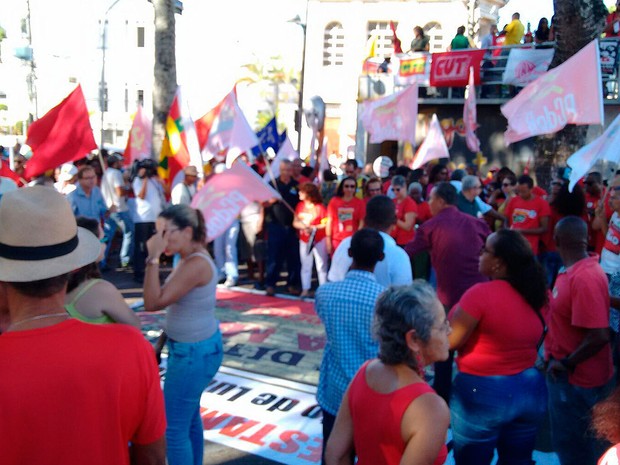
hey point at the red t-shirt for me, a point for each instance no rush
(424, 213)
(611, 457)
(312, 215)
(345, 217)
(539, 191)
(580, 301)
(596, 238)
(407, 205)
(526, 214)
(504, 342)
(377, 430)
(77, 393)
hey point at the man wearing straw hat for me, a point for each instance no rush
(70, 392)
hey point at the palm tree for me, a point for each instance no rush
(576, 23)
(165, 72)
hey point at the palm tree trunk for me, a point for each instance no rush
(165, 84)
(576, 23)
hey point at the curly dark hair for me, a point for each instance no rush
(569, 203)
(312, 192)
(525, 274)
(398, 310)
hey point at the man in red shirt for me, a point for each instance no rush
(71, 392)
(594, 194)
(528, 213)
(578, 353)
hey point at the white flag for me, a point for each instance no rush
(524, 65)
(433, 147)
(470, 115)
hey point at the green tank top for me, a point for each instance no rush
(72, 311)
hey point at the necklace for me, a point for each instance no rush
(36, 317)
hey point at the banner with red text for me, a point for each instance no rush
(569, 94)
(224, 195)
(451, 69)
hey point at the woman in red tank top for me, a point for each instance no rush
(389, 414)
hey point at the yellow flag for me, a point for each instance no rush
(371, 46)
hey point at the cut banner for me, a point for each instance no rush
(451, 69)
(433, 147)
(604, 147)
(224, 195)
(558, 98)
(393, 117)
(526, 65)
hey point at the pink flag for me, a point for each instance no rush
(569, 94)
(433, 147)
(139, 142)
(470, 115)
(393, 117)
(224, 195)
(230, 132)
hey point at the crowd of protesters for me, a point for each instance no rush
(512, 281)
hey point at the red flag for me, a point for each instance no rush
(139, 142)
(6, 172)
(395, 40)
(204, 124)
(62, 135)
(451, 69)
(224, 195)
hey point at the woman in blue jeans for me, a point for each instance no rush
(195, 343)
(499, 397)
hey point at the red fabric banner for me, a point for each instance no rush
(62, 135)
(451, 69)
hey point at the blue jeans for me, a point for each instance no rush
(191, 366)
(502, 412)
(123, 221)
(225, 252)
(570, 411)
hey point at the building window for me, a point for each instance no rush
(433, 30)
(126, 100)
(333, 45)
(141, 97)
(381, 30)
(140, 36)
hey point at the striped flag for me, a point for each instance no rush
(174, 153)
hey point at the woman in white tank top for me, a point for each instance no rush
(195, 343)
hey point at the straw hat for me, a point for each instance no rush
(39, 237)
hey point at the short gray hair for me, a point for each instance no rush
(399, 180)
(470, 182)
(415, 186)
(398, 310)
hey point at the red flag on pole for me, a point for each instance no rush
(6, 172)
(139, 142)
(395, 40)
(62, 135)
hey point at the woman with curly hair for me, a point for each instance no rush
(310, 220)
(499, 396)
(389, 415)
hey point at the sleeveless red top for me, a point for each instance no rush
(377, 418)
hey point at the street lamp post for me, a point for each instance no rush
(102, 83)
(300, 103)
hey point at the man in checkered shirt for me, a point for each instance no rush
(346, 309)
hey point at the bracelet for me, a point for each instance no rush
(151, 261)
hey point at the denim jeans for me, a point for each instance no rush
(502, 412)
(570, 411)
(225, 252)
(191, 366)
(123, 221)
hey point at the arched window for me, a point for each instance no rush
(382, 31)
(333, 45)
(433, 30)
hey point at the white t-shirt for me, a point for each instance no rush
(393, 270)
(182, 194)
(112, 179)
(610, 255)
(148, 208)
